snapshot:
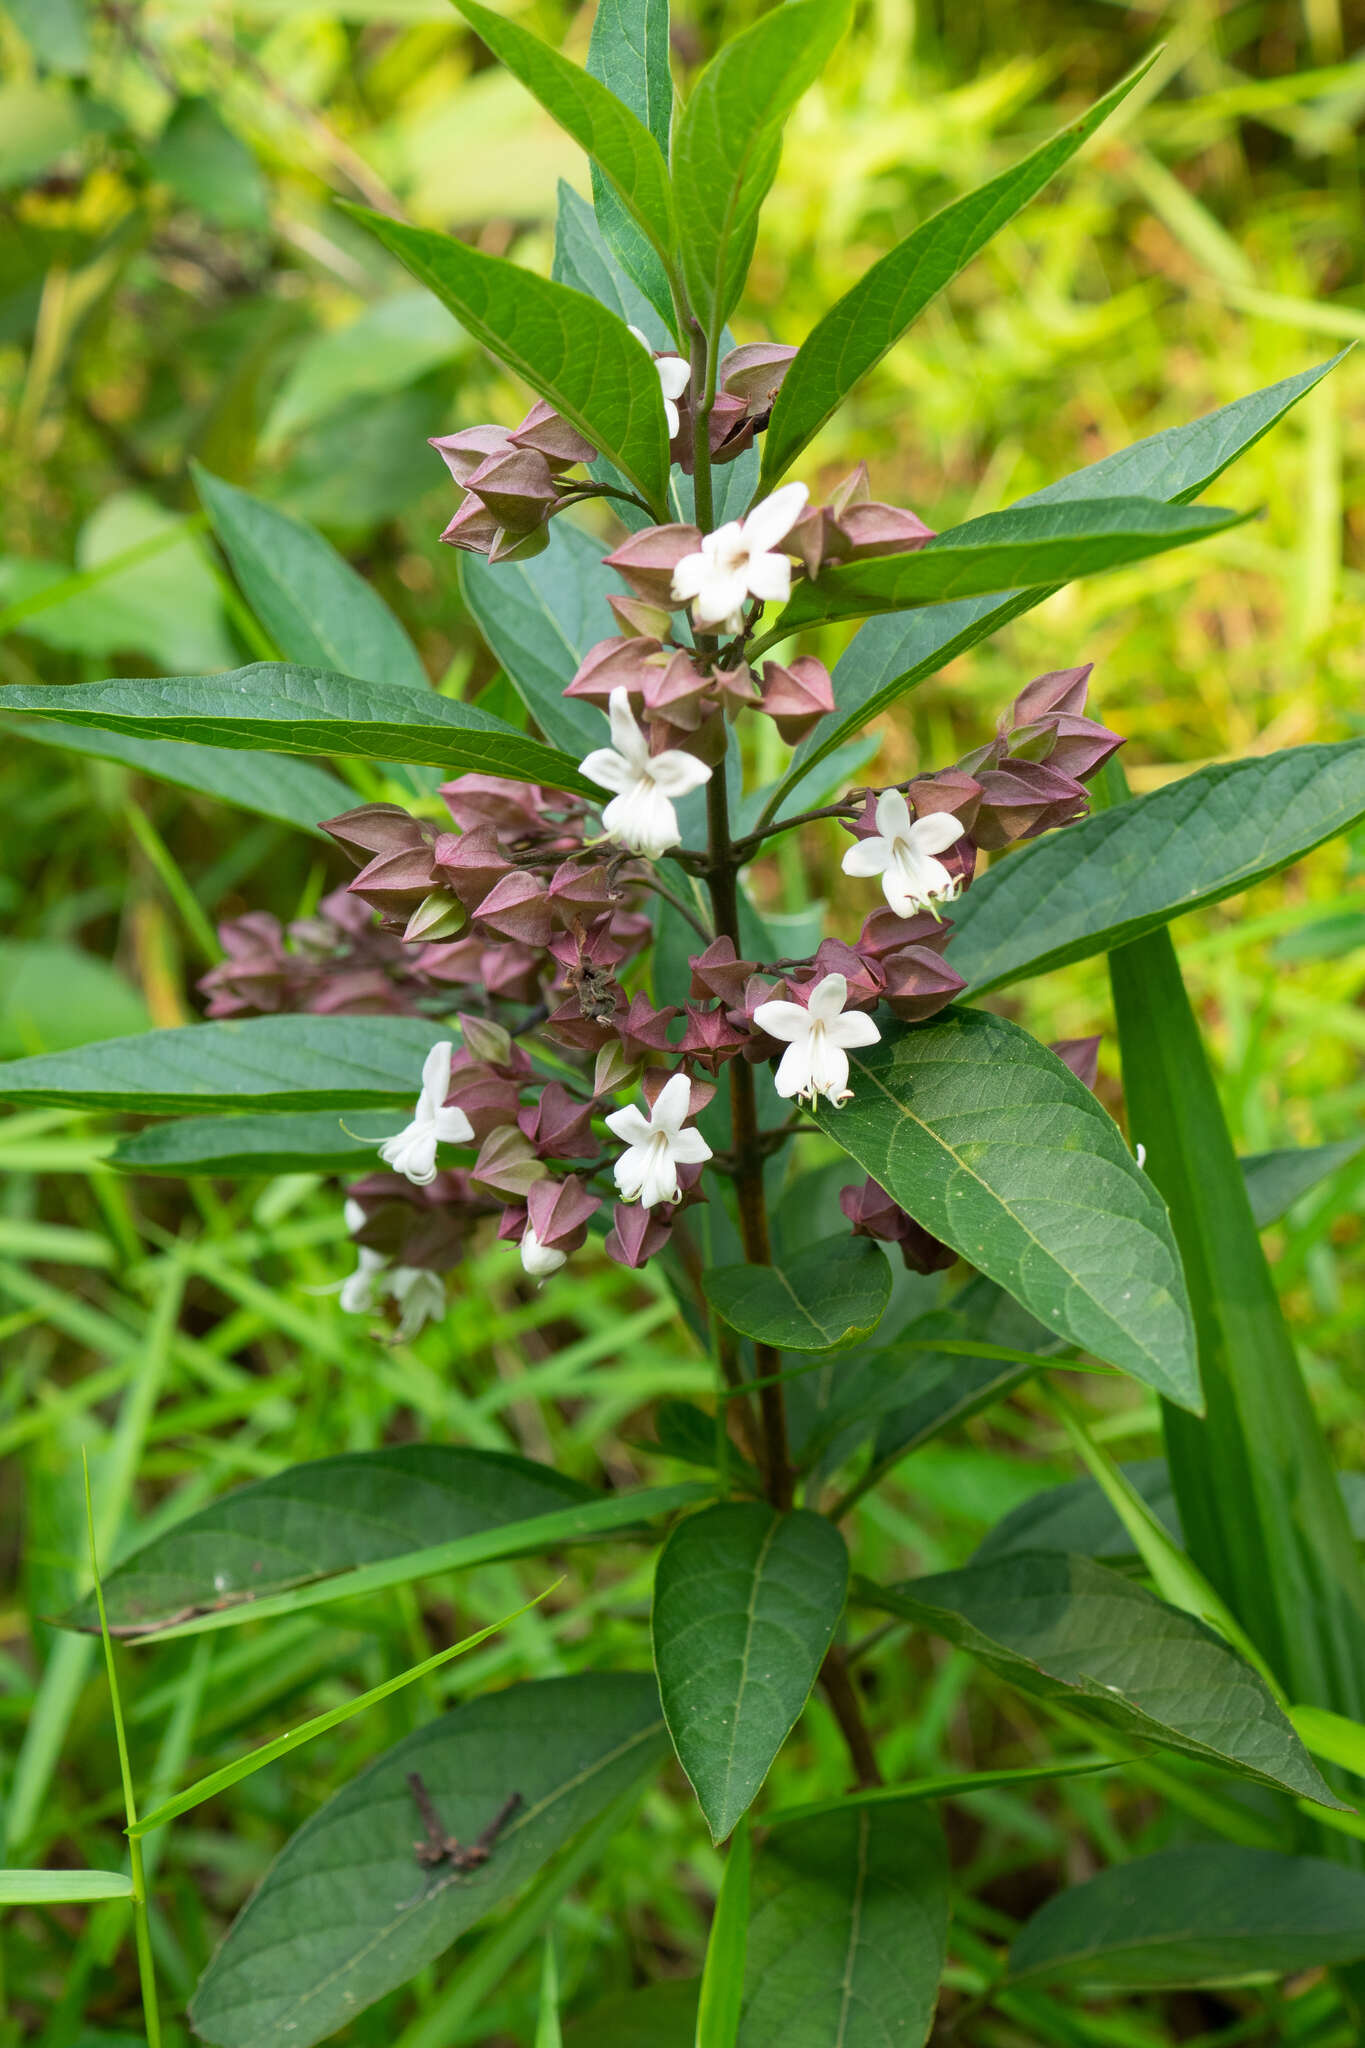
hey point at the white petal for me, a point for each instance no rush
(420, 1295)
(936, 833)
(676, 773)
(774, 519)
(893, 815)
(784, 1020)
(864, 857)
(793, 1070)
(675, 374)
(436, 1073)
(629, 1172)
(855, 1027)
(539, 1259)
(721, 596)
(902, 897)
(642, 338)
(643, 820)
(671, 420)
(660, 1179)
(626, 736)
(605, 767)
(828, 997)
(829, 1069)
(671, 1105)
(354, 1215)
(689, 576)
(453, 1126)
(770, 577)
(629, 1126)
(689, 1148)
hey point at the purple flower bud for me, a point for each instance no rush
(616, 664)
(466, 451)
(718, 972)
(643, 1031)
(638, 1233)
(378, 828)
(518, 907)
(951, 789)
(550, 435)
(919, 983)
(578, 891)
(875, 529)
(395, 883)
(473, 528)
(507, 1162)
(873, 1213)
(584, 1029)
(884, 933)
(1074, 746)
(640, 619)
(755, 373)
(1060, 690)
(1023, 799)
(517, 488)
(558, 1126)
(798, 696)
(710, 1038)
(559, 1212)
(832, 956)
(515, 810)
(1082, 1055)
(488, 1099)
(676, 692)
(647, 559)
(257, 973)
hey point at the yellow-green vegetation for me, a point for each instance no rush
(176, 283)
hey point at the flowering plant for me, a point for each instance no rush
(550, 986)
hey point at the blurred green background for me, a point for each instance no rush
(176, 283)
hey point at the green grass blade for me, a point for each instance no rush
(722, 1977)
(548, 2033)
(62, 1887)
(953, 1785)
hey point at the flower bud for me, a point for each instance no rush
(638, 1233)
(507, 1162)
(466, 451)
(517, 488)
(1060, 690)
(470, 863)
(473, 528)
(1073, 746)
(519, 547)
(710, 1038)
(518, 907)
(640, 619)
(884, 933)
(873, 1213)
(484, 1039)
(1082, 1055)
(613, 1070)
(395, 883)
(798, 696)
(378, 828)
(676, 691)
(488, 1099)
(646, 560)
(559, 1212)
(549, 434)
(719, 972)
(577, 891)
(438, 916)
(616, 664)
(557, 1125)
(919, 983)
(1022, 800)
(876, 529)
(755, 373)
(643, 1032)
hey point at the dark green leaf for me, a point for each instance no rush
(273, 706)
(722, 1982)
(323, 1141)
(728, 139)
(889, 656)
(295, 792)
(1205, 1914)
(995, 1146)
(868, 320)
(315, 608)
(300, 1062)
(1276, 1180)
(1128, 869)
(540, 618)
(567, 347)
(345, 1913)
(661, 2015)
(688, 1433)
(1070, 1630)
(1028, 545)
(628, 51)
(315, 1520)
(610, 132)
(1078, 1519)
(746, 1601)
(585, 263)
(846, 1946)
(835, 1293)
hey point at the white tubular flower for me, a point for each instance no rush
(737, 562)
(641, 816)
(421, 1298)
(656, 1146)
(413, 1151)
(817, 1037)
(359, 1293)
(675, 374)
(902, 853)
(539, 1260)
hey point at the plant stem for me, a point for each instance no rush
(842, 1695)
(744, 848)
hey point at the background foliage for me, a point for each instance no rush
(175, 283)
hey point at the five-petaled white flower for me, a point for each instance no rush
(641, 817)
(539, 1260)
(413, 1151)
(738, 562)
(657, 1145)
(420, 1296)
(902, 853)
(817, 1036)
(675, 374)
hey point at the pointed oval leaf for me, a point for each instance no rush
(629, 52)
(315, 1520)
(993, 1145)
(890, 655)
(296, 1062)
(746, 1601)
(293, 792)
(311, 602)
(317, 1142)
(1126, 870)
(1067, 1629)
(614, 136)
(276, 707)
(345, 1913)
(1078, 1519)
(1207, 1914)
(727, 141)
(868, 320)
(1276, 1180)
(835, 1293)
(1026, 545)
(847, 1942)
(567, 347)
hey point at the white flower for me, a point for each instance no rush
(359, 1293)
(656, 1145)
(421, 1298)
(538, 1259)
(413, 1151)
(903, 852)
(641, 817)
(817, 1036)
(675, 374)
(737, 562)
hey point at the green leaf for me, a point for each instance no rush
(660, 2015)
(317, 1142)
(311, 602)
(1129, 869)
(301, 1062)
(616, 139)
(847, 1943)
(1206, 1914)
(1069, 1630)
(868, 320)
(315, 1520)
(548, 2032)
(210, 168)
(389, 346)
(54, 996)
(294, 792)
(273, 706)
(722, 1980)
(746, 1601)
(834, 1294)
(995, 1146)
(941, 1388)
(629, 52)
(1077, 1518)
(727, 141)
(62, 1887)
(1276, 1180)
(571, 350)
(540, 618)
(585, 262)
(889, 656)
(1027, 545)
(345, 1913)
